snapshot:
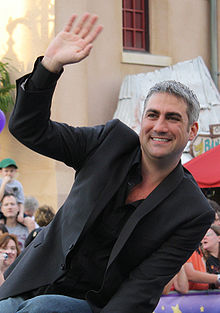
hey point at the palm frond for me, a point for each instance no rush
(6, 88)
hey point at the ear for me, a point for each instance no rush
(193, 130)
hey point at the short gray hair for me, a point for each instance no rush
(180, 91)
(30, 204)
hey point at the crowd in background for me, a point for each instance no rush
(21, 218)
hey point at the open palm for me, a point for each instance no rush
(73, 43)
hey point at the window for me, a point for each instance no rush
(135, 25)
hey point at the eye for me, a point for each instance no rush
(174, 118)
(151, 115)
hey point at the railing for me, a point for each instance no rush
(207, 301)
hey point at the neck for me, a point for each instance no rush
(11, 221)
(154, 171)
(152, 175)
(215, 251)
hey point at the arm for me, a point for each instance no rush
(168, 286)
(20, 199)
(1, 278)
(181, 283)
(30, 120)
(29, 223)
(20, 217)
(200, 277)
(2, 267)
(5, 180)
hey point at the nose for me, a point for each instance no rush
(160, 125)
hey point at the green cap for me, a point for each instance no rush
(7, 162)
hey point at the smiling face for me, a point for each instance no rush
(9, 207)
(210, 242)
(165, 128)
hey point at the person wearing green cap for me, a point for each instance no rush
(8, 184)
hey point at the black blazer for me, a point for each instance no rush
(156, 240)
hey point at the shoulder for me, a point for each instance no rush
(112, 128)
(113, 132)
(118, 130)
(116, 124)
(194, 191)
(191, 198)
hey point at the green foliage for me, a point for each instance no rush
(6, 88)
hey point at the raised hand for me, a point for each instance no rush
(72, 44)
(2, 261)
(29, 223)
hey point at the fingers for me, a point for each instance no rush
(87, 27)
(84, 27)
(87, 31)
(83, 53)
(81, 23)
(69, 25)
(92, 35)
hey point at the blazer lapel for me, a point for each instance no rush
(117, 175)
(168, 185)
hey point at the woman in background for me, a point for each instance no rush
(211, 250)
(9, 250)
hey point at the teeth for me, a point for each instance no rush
(160, 139)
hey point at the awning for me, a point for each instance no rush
(205, 168)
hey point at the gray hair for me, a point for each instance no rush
(180, 91)
(30, 204)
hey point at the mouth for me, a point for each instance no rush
(160, 139)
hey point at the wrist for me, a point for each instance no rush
(51, 64)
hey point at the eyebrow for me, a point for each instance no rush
(174, 114)
(168, 114)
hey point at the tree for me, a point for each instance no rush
(6, 88)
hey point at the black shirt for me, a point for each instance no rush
(213, 267)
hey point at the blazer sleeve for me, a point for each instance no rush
(142, 290)
(30, 123)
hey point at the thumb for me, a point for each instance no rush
(85, 52)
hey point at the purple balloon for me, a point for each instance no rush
(2, 120)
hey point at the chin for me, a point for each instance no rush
(160, 156)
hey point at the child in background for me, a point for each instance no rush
(8, 184)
